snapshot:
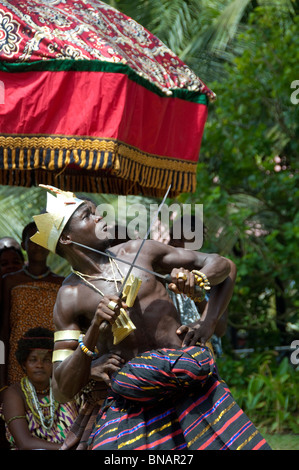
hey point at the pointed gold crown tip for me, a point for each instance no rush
(50, 225)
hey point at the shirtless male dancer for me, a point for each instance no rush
(89, 295)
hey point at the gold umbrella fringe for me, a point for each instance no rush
(91, 165)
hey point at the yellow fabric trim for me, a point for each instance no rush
(106, 166)
(247, 440)
(66, 335)
(153, 161)
(57, 142)
(154, 431)
(211, 424)
(63, 143)
(61, 354)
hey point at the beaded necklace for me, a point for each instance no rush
(33, 276)
(36, 407)
(43, 392)
(96, 277)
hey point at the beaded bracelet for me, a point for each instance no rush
(201, 279)
(86, 350)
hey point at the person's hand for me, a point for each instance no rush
(198, 332)
(108, 309)
(106, 365)
(182, 282)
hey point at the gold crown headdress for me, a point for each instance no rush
(59, 209)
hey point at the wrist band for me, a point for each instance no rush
(86, 350)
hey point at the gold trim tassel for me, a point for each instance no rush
(103, 165)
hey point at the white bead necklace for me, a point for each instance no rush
(46, 423)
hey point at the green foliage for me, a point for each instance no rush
(266, 390)
(201, 32)
(248, 173)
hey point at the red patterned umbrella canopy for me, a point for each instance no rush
(92, 101)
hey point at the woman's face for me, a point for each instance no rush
(38, 366)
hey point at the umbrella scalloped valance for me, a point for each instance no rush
(91, 101)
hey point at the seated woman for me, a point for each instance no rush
(27, 301)
(34, 420)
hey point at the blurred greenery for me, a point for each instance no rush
(266, 388)
(248, 177)
(282, 441)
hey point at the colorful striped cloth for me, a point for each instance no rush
(65, 416)
(171, 399)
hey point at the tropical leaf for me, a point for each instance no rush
(201, 32)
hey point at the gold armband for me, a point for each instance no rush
(67, 335)
(61, 354)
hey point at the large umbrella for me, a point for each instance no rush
(91, 101)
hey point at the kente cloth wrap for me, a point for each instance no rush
(92, 398)
(31, 306)
(173, 400)
(65, 415)
(92, 101)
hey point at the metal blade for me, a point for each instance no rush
(166, 278)
(144, 239)
(109, 254)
